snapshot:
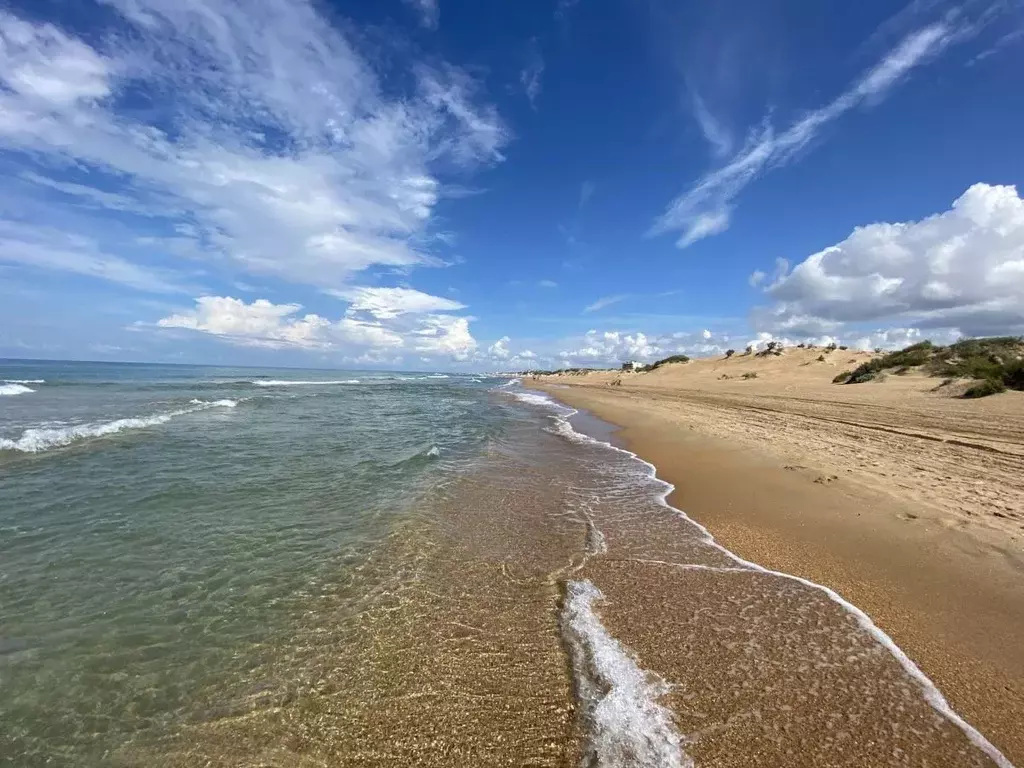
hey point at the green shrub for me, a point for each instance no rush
(1013, 374)
(996, 361)
(730, 352)
(658, 363)
(985, 388)
(842, 377)
(750, 375)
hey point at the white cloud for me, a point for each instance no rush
(960, 269)
(714, 132)
(429, 11)
(46, 248)
(756, 278)
(530, 76)
(706, 209)
(48, 69)
(610, 348)
(605, 301)
(258, 324)
(499, 350)
(271, 147)
(547, 284)
(378, 323)
(389, 303)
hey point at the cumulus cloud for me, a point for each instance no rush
(706, 209)
(377, 321)
(249, 134)
(260, 323)
(959, 269)
(609, 348)
(499, 349)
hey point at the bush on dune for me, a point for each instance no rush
(985, 388)
(658, 363)
(997, 362)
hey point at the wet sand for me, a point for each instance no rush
(950, 595)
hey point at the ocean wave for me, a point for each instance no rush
(929, 691)
(23, 381)
(294, 383)
(14, 389)
(40, 439)
(620, 700)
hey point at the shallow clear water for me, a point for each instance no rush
(161, 525)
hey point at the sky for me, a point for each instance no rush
(505, 184)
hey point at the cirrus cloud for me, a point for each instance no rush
(253, 136)
(706, 208)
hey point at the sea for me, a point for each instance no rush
(208, 566)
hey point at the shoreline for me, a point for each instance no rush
(950, 602)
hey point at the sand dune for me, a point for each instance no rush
(961, 461)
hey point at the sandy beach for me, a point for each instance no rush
(905, 499)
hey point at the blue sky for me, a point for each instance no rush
(495, 185)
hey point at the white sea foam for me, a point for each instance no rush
(294, 383)
(23, 381)
(434, 452)
(41, 439)
(509, 383)
(14, 389)
(929, 691)
(537, 398)
(627, 725)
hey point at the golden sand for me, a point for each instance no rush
(907, 501)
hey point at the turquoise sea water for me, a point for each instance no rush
(159, 524)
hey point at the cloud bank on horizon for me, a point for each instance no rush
(290, 181)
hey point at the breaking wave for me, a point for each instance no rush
(13, 388)
(292, 383)
(23, 381)
(627, 726)
(41, 439)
